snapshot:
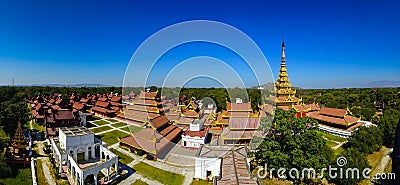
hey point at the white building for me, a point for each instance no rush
(210, 109)
(227, 164)
(196, 135)
(80, 158)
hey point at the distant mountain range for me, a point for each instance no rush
(270, 85)
(71, 85)
(384, 83)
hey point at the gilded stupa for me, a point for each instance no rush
(285, 95)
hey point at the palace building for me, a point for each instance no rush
(157, 138)
(146, 107)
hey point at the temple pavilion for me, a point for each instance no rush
(159, 134)
(146, 107)
(239, 123)
(18, 151)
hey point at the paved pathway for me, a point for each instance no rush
(45, 167)
(339, 145)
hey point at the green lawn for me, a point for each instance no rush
(22, 176)
(100, 122)
(139, 182)
(158, 174)
(332, 137)
(132, 128)
(122, 157)
(112, 120)
(331, 144)
(338, 151)
(112, 137)
(100, 129)
(40, 128)
(119, 124)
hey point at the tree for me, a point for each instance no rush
(366, 140)
(354, 159)
(290, 144)
(11, 114)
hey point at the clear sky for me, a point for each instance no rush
(329, 44)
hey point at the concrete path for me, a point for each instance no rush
(45, 166)
(384, 161)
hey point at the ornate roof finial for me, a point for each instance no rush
(283, 59)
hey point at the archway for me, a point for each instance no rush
(89, 180)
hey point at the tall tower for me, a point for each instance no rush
(286, 96)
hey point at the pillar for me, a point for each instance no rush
(93, 154)
(95, 179)
(86, 153)
(75, 154)
(116, 168)
(108, 173)
(81, 178)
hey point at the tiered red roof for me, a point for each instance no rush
(335, 116)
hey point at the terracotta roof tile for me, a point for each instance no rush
(333, 112)
(159, 121)
(238, 106)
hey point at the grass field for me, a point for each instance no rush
(100, 122)
(112, 137)
(332, 137)
(338, 151)
(162, 176)
(112, 120)
(40, 128)
(331, 144)
(100, 129)
(22, 176)
(139, 182)
(122, 157)
(119, 124)
(132, 128)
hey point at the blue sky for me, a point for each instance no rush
(329, 44)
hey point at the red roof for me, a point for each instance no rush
(244, 123)
(333, 112)
(145, 102)
(102, 104)
(284, 107)
(78, 106)
(63, 114)
(238, 107)
(228, 134)
(148, 95)
(103, 99)
(84, 100)
(201, 133)
(159, 121)
(151, 140)
(116, 98)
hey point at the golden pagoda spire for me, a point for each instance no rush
(283, 87)
(283, 58)
(19, 138)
